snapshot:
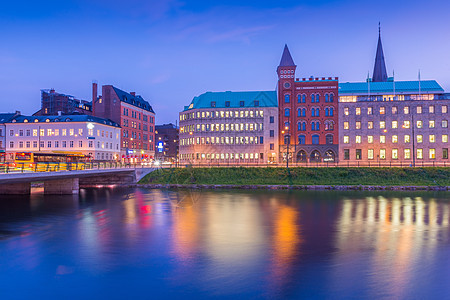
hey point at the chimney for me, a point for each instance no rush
(94, 92)
(133, 93)
(17, 113)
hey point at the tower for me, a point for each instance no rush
(379, 69)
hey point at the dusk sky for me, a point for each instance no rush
(169, 51)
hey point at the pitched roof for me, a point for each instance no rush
(265, 98)
(4, 118)
(379, 69)
(133, 100)
(401, 87)
(63, 118)
(286, 58)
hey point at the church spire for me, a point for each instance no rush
(379, 70)
(286, 58)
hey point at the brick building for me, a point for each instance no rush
(230, 128)
(53, 103)
(308, 115)
(388, 122)
(166, 143)
(136, 117)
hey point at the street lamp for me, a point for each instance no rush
(287, 151)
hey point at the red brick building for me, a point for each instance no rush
(53, 103)
(135, 116)
(308, 115)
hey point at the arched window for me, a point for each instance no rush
(287, 139)
(329, 156)
(299, 98)
(313, 112)
(301, 139)
(315, 156)
(301, 156)
(329, 125)
(299, 112)
(317, 126)
(304, 126)
(312, 98)
(317, 112)
(331, 111)
(303, 98)
(299, 126)
(317, 98)
(286, 98)
(287, 112)
(326, 109)
(329, 139)
(315, 139)
(326, 97)
(303, 112)
(331, 97)
(313, 126)
(286, 125)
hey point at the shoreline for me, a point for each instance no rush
(293, 187)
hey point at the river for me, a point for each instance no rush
(225, 244)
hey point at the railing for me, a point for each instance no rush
(59, 166)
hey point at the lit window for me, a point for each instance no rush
(394, 124)
(369, 110)
(370, 139)
(419, 138)
(358, 139)
(407, 138)
(431, 109)
(419, 153)
(444, 123)
(358, 111)
(419, 124)
(431, 124)
(346, 111)
(432, 153)
(370, 153)
(444, 138)
(419, 109)
(394, 153)
(370, 125)
(444, 109)
(358, 125)
(394, 110)
(382, 124)
(382, 110)
(407, 153)
(346, 139)
(406, 110)
(394, 138)
(382, 153)
(345, 125)
(382, 139)
(432, 138)
(406, 124)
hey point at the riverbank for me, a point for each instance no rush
(325, 178)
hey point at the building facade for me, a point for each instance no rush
(53, 103)
(308, 115)
(167, 143)
(136, 117)
(5, 118)
(230, 128)
(388, 122)
(75, 134)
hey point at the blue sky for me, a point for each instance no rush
(170, 51)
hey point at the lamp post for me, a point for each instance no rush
(413, 138)
(287, 152)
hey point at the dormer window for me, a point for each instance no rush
(227, 103)
(241, 103)
(213, 103)
(256, 103)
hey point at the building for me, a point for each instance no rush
(53, 103)
(136, 117)
(166, 143)
(75, 134)
(230, 128)
(308, 115)
(388, 122)
(5, 118)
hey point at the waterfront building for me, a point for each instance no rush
(53, 103)
(230, 128)
(166, 143)
(5, 118)
(308, 115)
(388, 122)
(136, 117)
(75, 134)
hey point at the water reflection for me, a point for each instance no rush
(226, 244)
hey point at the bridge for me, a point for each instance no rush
(69, 182)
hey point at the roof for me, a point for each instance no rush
(166, 126)
(63, 118)
(265, 98)
(5, 118)
(401, 87)
(133, 100)
(286, 58)
(379, 69)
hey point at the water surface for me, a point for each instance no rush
(153, 244)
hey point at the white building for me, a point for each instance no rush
(4, 118)
(75, 134)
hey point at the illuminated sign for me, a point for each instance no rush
(160, 146)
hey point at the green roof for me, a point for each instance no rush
(401, 87)
(265, 99)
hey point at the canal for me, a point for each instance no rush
(228, 244)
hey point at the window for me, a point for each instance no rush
(419, 138)
(346, 111)
(331, 97)
(382, 139)
(382, 110)
(358, 111)
(346, 125)
(444, 109)
(394, 153)
(382, 124)
(394, 110)
(444, 124)
(407, 153)
(346, 139)
(431, 110)
(329, 139)
(370, 153)
(406, 124)
(370, 125)
(406, 110)
(382, 153)
(227, 103)
(286, 98)
(346, 154)
(369, 110)
(287, 112)
(370, 139)
(358, 154)
(394, 124)
(317, 98)
(358, 139)
(419, 124)
(315, 139)
(287, 140)
(444, 138)
(432, 138)
(407, 138)
(431, 124)
(419, 109)
(272, 119)
(394, 138)
(272, 146)
(445, 153)
(358, 125)
(303, 98)
(301, 139)
(331, 112)
(272, 134)
(213, 103)
(256, 103)
(261, 140)
(326, 98)
(432, 153)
